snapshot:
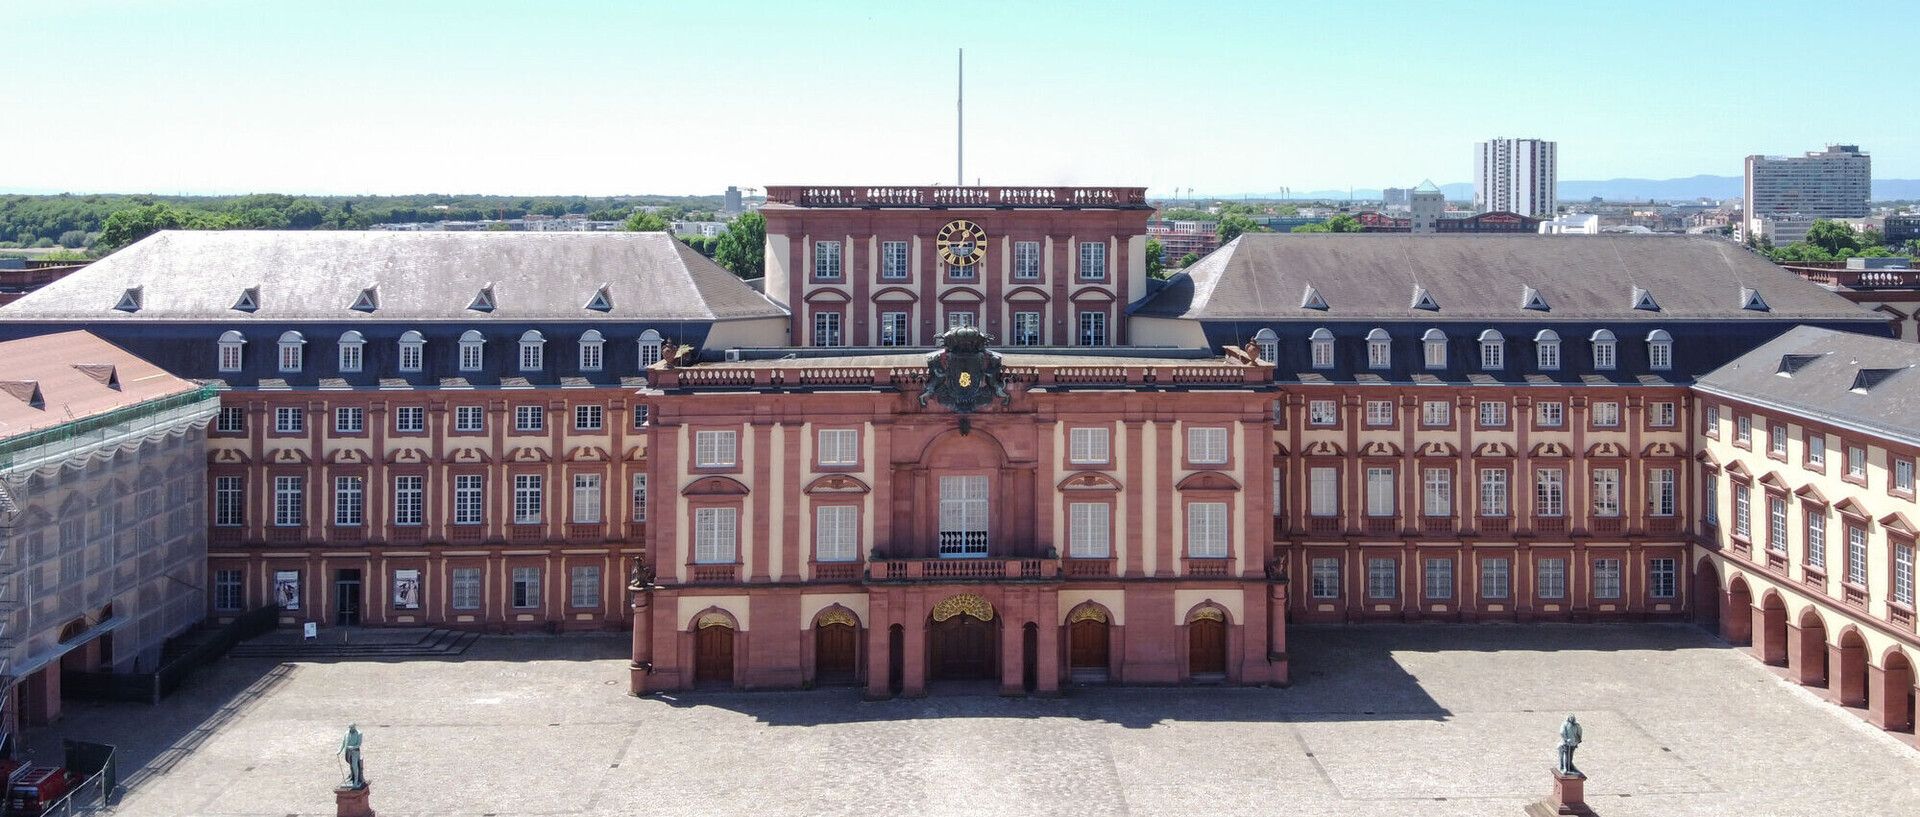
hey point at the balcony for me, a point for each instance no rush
(1607, 526)
(836, 571)
(527, 533)
(1550, 526)
(286, 536)
(1663, 526)
(585, 531)
(1089, 568)
(983, 569)
(1495, 526)
(1207, 568)
(404, 534)
(1323, 525)
(466, 534)
(715, 574)
(1436, 525)
(1381, 525)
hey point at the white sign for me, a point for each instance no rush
(312, 630)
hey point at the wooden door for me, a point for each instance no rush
(713, 654)
(1087, 645)
(963, 649)
(834, 653)
(1207, 647)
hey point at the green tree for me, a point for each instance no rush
(1343, 223)
(743, 247)
(499, 227)
(1833, 236)
(648, 223)
(1316, 227)
(73, 239)
(127, 226)
(1156, 259)
(1233, 224)
(1189, 260)
(1800, 251)
(1912, 247)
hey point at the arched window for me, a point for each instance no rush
(1435, 343)
(231, 343)
(1269, 344)
(1379, 349)
(412, 351)
(292, 349)
(1493, 350)
(1322, 343)
(1604, 350)
(1659, 350)
(1546, 347)
(351, 344)
(650, 345)
(533, 351)
(471, 342)
(592, 351)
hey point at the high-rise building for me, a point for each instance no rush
(1516, 176)
(1832, 183)
(733, 200)
(1425, 206)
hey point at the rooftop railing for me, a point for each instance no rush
(859, 196)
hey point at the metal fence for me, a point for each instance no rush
(151, 687)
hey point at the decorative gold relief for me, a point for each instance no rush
(835, 615)
(1087, 612)
(713, 620)
(964, 603)
(1207, 614)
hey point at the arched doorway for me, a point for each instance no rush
(1737, 625)
(1207, 644)
(1847, 686)
(836, 647)
(1770, 643)
(713, 649)
(1089, 642)
(1707, 597)
(963, 639)
(1894, 695)
(1807, 654)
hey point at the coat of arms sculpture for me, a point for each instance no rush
(964, 374)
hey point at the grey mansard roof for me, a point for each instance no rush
(1488, 278)
(1872, 384)
(425, 276)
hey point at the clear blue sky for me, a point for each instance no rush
(523, 97)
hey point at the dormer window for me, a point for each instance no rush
(1750, 299)
(1269, 345)
(1546, 347)
(533, 354)
(1435, 344)
(1605, 353)
(482, 301)
(1659, 350)
(351, 346)
(130, 300)
(1493, 350)
(412, 351)
(249, 300)
(1423, 300)
(592, 351)
(1530, 299)
(602, 300)
(1311, 299)
(471, 344)
(1379, 349)
(650, 347)
(1643, 300)
(368, 300)
(292, 350)
(231, 343)
(1322, 343)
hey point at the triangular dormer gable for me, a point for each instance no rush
(483, 300)
(1423, 300)
(130, 299)
(26, 391)
(1643, 299)
(1750, 299)
(105, 373)
(368, 300)
(1530, 299)
(249, 300)
(602, 300)
(1311, 299)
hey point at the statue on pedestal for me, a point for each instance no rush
(350, 752)
(1569, 741)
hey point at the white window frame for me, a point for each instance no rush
(1383, 579)
(1207, 530)
(1551, 578)
(1856, 462)
(1816, 537)
(587, 505)
(1495, 493)
(639, 498)
(1663, 578)
(1606, 578)
(1379, 349)
(1089, 446)
(1434, 347)
(349, 419)
(413, 352)
(1207, 445)
(409, 419)
(1856, 556)
(1089, 530)
(593, 351)
(1321, 344)
(1546, 346)
(1093, 327)
(1549, 493)
(1496, 578)
(469, 499)
(895, 261)
(1382, 492)
(529, 418)
(1663, 496)
(1028, 329)
(836, 533)
(231, 420)
(529, 499)
(1026, 260)
(1663, 414)
(526, 588)
(589, 417)
(351, 352)
(838, 446)
(409, 500)
(826, 329)
(715, 449)
(292, 352)
(1436, 413)
(470, 418)
(1550, 414)
(1323, 491)
(896, 329)
(1659, 350)
(464, 585)
(1493, 351)
(349, 501)
(1606, 414)
(651, 348)
(1269, 345)
(1380, 413)
(1606, 350)
(1324, 573)
(229, 501)
(472, 351)
(583, 587)
(1439, 579)
(1606, 492)
(1437, 492)
(533, 351)
(826, 260)
(289, 501)
(232, 347)
(1323, 413)
(715, 535)
(1093, 260)
(1493, 413)
(289, 420)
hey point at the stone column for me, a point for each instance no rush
(913, 650)
(879, 646)
(1843, 687)
(1047, 618)
(642, 664)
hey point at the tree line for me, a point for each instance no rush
(1835, 241)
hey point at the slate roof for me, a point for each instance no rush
(72, 376)
(1482, 277)
(425, 276)
(1869, 383)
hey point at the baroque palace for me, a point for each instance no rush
(959, 433)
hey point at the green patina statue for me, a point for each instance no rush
(350, 751)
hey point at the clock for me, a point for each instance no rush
(962, 243)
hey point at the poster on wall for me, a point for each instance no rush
(286, 589)
(406, 589)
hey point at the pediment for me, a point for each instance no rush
(716, 486)
(1706, 458)
(469, 455)
(407, 456)
(1207, 481)
(348, 456)
(1551, 450)
(228, 456)
(1660, 449)
(1379, 448)
(587, 453)
(1323, 448)
(1775, 481)
(1028, 294)
(1849, 507)
(529, 453)
(827, 295)
(837, 484)
(1739, 469)
(1493, 449)
(1088, 481)
(1810, 494)
(895, 294)
(1437, 449)
(960, 295)
(1606, 449)
(288, 456)
(1898, 523)
(1091, 293)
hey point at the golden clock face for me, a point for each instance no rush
(962, 243)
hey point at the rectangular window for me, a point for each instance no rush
(465, 588)
(1436, 413)
(894, 329)
(233, 420)
(826, 260)
(1552, 583)
(1817, 539)
(1903, 574)
(1493, 414)
(290, 356)
(229, 501)
(1662, 494)
(591, 355)
(1438, 492)
(1380, 492)
(410, 419)
(529, 418)
(1279, 491)
(1856, 462)
(1436, 353)
(1089, 445)
(228, 590)
(586, 498)
(468, 500)
(230, 357)
(1379, 354)
(1026, 329)
(1093, 328)
(1550, 414)
(1493, 492)
(1207, 446)
(289, 502)
(1662, 415)
(1322, 413)
(1606, 415)
(1742, 510)
(1856, 556)
(1712, 422)
(1379, 412)
(713, 449)
(527, 499)
(349, 420)
(639, 497)
(1093, 260)
(1439, 578)
(1606, 492)
(714, 535)
(1549, 492)
(350, 357)
(1026, 260)
(835, 535)
(409, 498)
(349, 494)
(1323, 491)
(1710, 496)
(585, 587)
(470, 351)
(1322, 348)
(1207, 530)
(1382, 581)
(641, 414)
(1662, 578)
(1549, 356)
(1494, 579)
(963, 516)
(533, 356)
(1089, 534)
(1743, 430)
(826, 329)
(1776, 524)
(410, 356)
(289, 420)
(1816, 450)
(894, 263)
(1606, 578)
(956, 320)
(1903, 476)
(589, 418)
(1326, 578)
(839, 446)
(526, 587)
(469, 418)
(1493, 355)
(1777, 441)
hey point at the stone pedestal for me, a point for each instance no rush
(1569, 797)
(352, 802)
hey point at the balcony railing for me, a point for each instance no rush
(1323, 525)
(1663, 525)
(1607, 526)
(836, 571)
(1089, 568)
(1436, 525)
(1208, 567)
(937, 196)
(715, 574)
(1381, 525)
(986, 569)
(1550, 526)
(1495, 526)
(466, 534)
(777, 374)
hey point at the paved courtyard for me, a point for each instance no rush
(1434, 720)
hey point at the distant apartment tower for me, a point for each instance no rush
(1833, 183)
(1516, 176)
(1394, 197)
(733, 200)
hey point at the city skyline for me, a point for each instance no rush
(607, 99)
